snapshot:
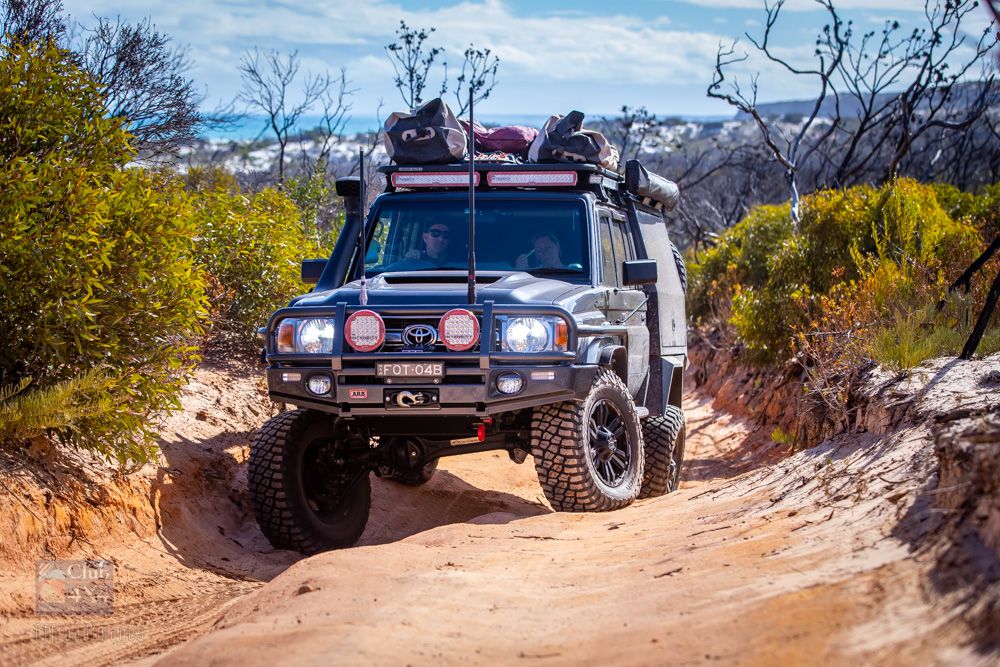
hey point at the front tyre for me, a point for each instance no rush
(589, 455)
(307, 495)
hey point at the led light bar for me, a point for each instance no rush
(432, 179)
(531, 178)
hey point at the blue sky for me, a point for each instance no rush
(555, 56)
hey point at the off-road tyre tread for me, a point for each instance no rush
(557, 431)
(682, 271)
(660, 438)
(269, 493)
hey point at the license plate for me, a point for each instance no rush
(409, 369)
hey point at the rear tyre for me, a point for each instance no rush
(588, 455)
(663, 438)
(682, 271)
(306, 493)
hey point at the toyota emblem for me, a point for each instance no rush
(419, 335)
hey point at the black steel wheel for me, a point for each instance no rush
(308, 494)
(610, 454)
(589, 454)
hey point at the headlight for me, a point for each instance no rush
(310, 336)
(534, 334)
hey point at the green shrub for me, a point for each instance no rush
(102, 297)
(770, 283)
(322, 214)
(251, 247)
(739, 258)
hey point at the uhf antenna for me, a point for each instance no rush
(362, 237)
(472, 200)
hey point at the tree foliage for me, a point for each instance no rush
(877, 254)
(251, 246)
(145, 80)
(27, 21)
(889, 102)
(143, 73)
(412, 60)
(97, 270)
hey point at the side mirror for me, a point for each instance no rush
(312, 269)
(639, 272)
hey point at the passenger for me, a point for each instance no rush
(545, 254)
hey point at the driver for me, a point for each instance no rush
(437, 241)
(545, 254)
(437, 244)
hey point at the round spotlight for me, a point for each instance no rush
(365, 331)
(320, 384)
(459, 330)
(509, 383)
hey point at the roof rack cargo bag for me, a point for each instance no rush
(429, 135)
(511, 139)
(563, 139)
(649, 186)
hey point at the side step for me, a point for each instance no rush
(643, 412)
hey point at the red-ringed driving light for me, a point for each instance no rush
(459, 330)
(531, 178)
(365, 331)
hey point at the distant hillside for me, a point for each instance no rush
(851, 105)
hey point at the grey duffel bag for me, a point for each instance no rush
(429, 135)
(563, 139)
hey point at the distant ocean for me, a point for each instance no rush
(253, 127)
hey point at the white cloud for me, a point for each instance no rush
(547, 57)
(561, 47)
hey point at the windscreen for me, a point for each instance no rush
(543, 237)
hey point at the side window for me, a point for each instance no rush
(623, 242)
(607, 251)
(377, 247)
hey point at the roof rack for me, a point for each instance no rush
(502, 176)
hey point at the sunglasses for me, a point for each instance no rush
(438, 233)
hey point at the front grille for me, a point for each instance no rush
(396, 325)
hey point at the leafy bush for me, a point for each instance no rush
(251, 247)
(773, 284)
(322, 213)
(102, 297)
(740, 258)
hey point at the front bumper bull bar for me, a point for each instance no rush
(469, 383)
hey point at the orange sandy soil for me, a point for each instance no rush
(759, 559)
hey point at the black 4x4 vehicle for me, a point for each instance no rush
(573, 350)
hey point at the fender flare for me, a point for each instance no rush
(615, 357)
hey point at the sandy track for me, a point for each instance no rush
(804, 561)
(758, 559)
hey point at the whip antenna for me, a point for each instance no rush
(362, 237)
(472, 200)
